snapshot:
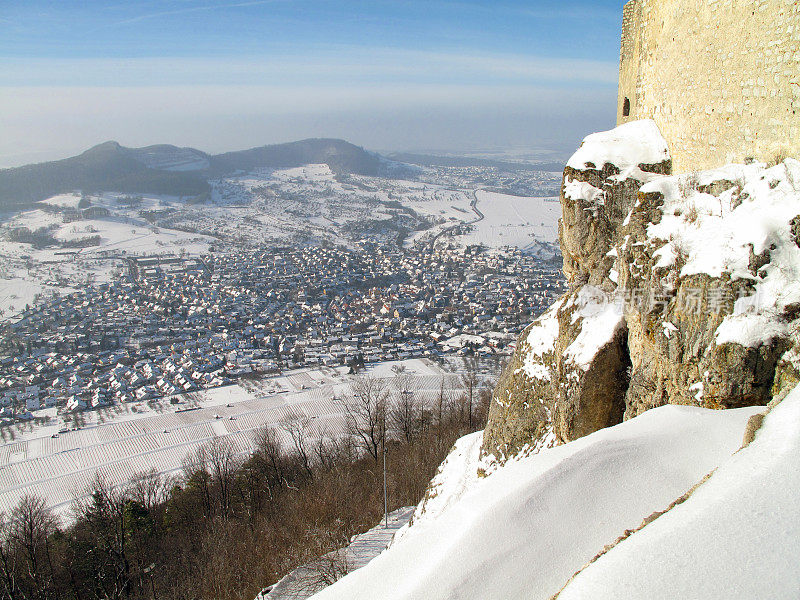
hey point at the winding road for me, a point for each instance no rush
(479, 217)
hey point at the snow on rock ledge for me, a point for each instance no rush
(568, 375)
(541, 341)
(625, 147)
(521, 406)
(714, 257)
(736, 221)
(561, 383)
(694, 286)
(600, 186)
(601, 320)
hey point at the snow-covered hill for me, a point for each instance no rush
(526, 528)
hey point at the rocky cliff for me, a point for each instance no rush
(683, 289)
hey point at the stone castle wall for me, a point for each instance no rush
(721, 78)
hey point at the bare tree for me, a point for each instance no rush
(269, 458)
(470, 381)
(441, 408)
(297, 426)
(197, 478)
(485, 401)
(222, 462)
(403, 417)
(149, 488)
(426, 404)
(25, 550)
(329, 450)
(366, 414)
(8, 569)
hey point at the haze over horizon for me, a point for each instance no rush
(449, 76)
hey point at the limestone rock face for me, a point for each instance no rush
(568, 376)
(520, 410)
(590, 390)
(682, 290)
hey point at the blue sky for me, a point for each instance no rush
(221, 74)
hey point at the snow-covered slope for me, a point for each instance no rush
(523, 531)
(737, 536)
(456, 475)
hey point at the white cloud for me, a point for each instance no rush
(193, 9)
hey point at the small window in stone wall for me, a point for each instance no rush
(626, 108)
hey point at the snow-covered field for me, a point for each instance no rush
(298, 206)
(124, 440)
(525, 529)
(26, 271)
(514, 221)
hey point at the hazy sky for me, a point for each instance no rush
(455, 75)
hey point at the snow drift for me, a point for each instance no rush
(737, 536)
(524, 530)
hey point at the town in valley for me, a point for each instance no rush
(138, 299)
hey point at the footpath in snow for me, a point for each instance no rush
(304, 581)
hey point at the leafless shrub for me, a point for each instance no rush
(688, 184)
(691, 213)
(403, 415)
(779, 157)
(324, 571)
(150, 488)
(298, 428)
(469, 381)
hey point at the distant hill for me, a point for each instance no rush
(166, 169)
(342, 157)
(171, 158)
(107, 166)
